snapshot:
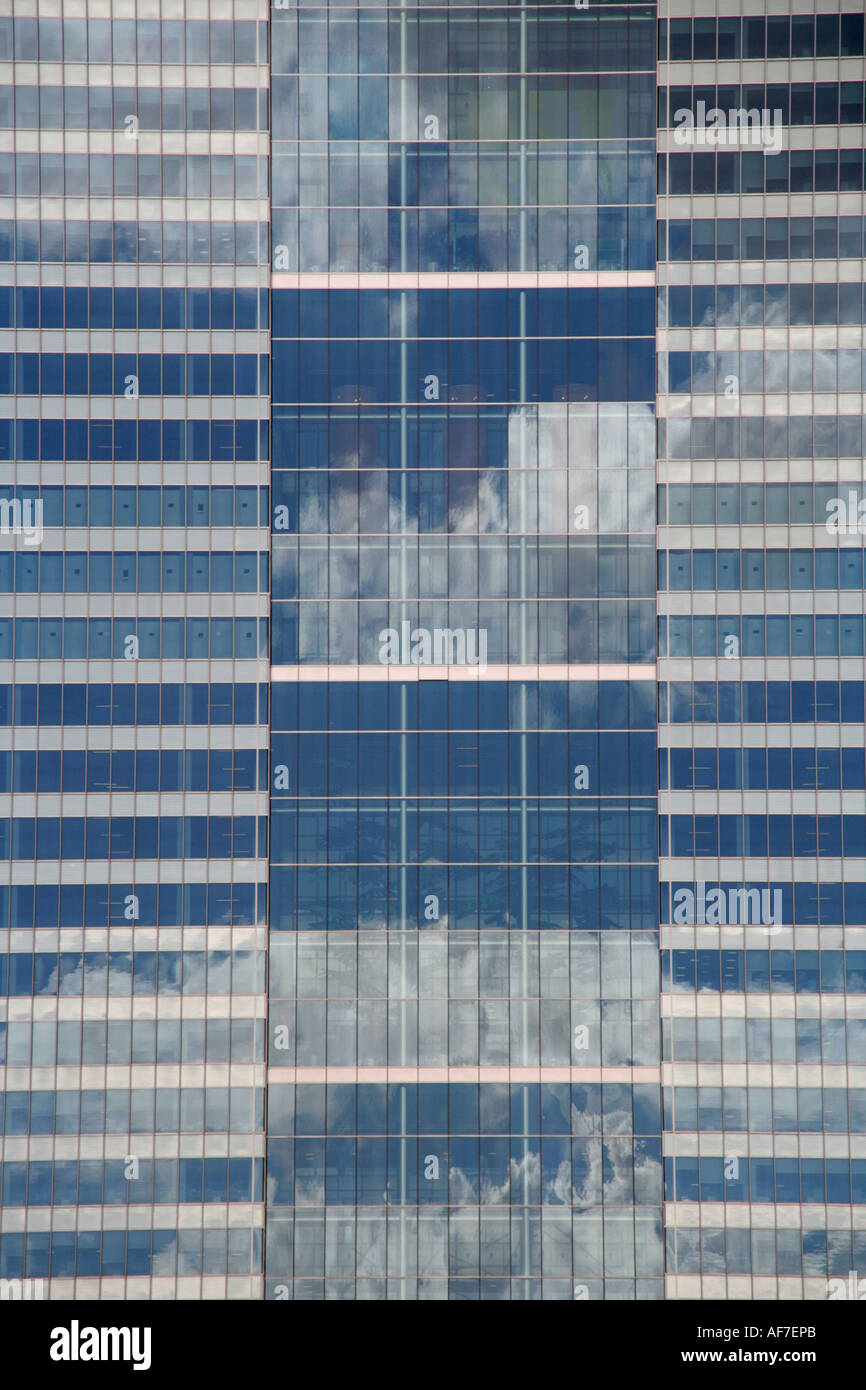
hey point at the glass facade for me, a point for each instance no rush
(134, 631)
(463, 1097)
(760, 604)
(431, 577)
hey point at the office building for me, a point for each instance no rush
(134, 638)
(431, 628)
(762, 848)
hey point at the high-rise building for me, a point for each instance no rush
(133, 710)
(425, 878)
(762, 827)
(463, 1083)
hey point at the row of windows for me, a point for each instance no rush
(73, 306)
(449, 314)
(496, 838)
(132, 243)
(120, 1042)
(760, 238)
(758, 306)
(774, 36)
(166, 904)
(800, 635)
(453, 975)
(441, 39)
(97, 973)
(762, 437)
(547, 369)
(463, 1108)
(135, 770)
(463, 566)
(734, 1250)
(434, 1108)
(435, 1032)
(470, 239)
(69, 505)
(489, 897)
(153, 108)
(760, 1109)
(794, 369)
(100, 639)
(783, 1040)
(131, 41)
(797, 103)
(466, 106)
(133, 374)
(49, 705)
(453, 705)
(93, 1254)
(459, 369)
(367, 1171)
(748, 504)
(189, 1110)
(547, 631)
(434, 1280)
(759, 702)
(457, 501)
(795, 171)
(760, 769)
(193, 1252)
(129, 441)
(520, 831)
(760, 569)
(303, 502)
(461, 173)
(756, 971)
(552, 966)
(462, 764)
(125, 572)
(438, 438)
(133, 837)
(802, 904)
(779, 836)
(808, 1180)
(92, 1182)
(34, 175)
